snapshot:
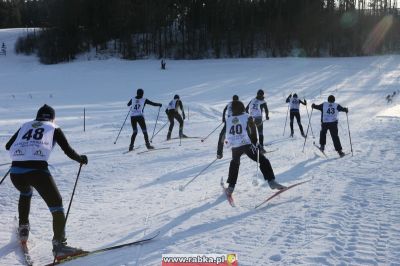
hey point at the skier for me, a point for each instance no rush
(255, 109)
(30, 148)
(242, 137)
(329, 121)
(173, 113)
(294, 104)
(228, 108)
(137, 117)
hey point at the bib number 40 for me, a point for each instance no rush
(236, 130)
(36, 135)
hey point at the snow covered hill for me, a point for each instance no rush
(349, 214)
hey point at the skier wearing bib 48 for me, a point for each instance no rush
(226, 112)
(294, 105)
(255, 109)
(30, 148)
(173, 113)
(138, 103)
(329, 121)
(242, 137)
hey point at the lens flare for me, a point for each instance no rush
(377, 35)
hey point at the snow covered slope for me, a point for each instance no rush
(349, 214)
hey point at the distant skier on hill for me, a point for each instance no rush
(137, 116)
(329, 121)
(242, 137)
(172, 112)
(255, 109)
(225, 114)
(294, 105)
(30, 148)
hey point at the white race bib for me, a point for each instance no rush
(329, 112)
(236, 130)
(255, 107)
(137, 106)
(34, 142)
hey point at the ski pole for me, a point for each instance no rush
(182, 187)
(156, 123)
(348, 127)
(287, 113)
(115, 142)
(151, 140)
(255, 181)
(69, 205)
(309, 122)
(202, 140)
(4, 164)
(4, 177)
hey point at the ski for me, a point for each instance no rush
(319, 148)
(228, 197)
(87, 253)
(24, 246)
(281, 191)
(188, 137)
(125, 152)
(155, 149)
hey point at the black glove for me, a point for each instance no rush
(84, 159)
(290, 96)
(267, 117)
(305, 101)
(223, 120)
(183, 115)
(346, 110)
(160, 104)
(313, 105)
(166, 111)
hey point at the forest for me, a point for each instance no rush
(197, 29)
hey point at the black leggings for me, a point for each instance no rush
(259, 124)
(333, 129)
(44, 184)
(134, 121)
(296, 114)
(172, 114)
(265, 165)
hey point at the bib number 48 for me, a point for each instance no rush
(36, 135)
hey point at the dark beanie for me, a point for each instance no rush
(237, 108)
(235, 98)
(45, 112)
(140, 92)
(176, 96)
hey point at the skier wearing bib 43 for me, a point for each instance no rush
(172, 112)
(255, 109)
(294, 105)
(138, 103)
(30, 148)
(329, 121)
(242, 137)
(227, 112)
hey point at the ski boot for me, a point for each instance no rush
(291, 134)
(341, 154)
(23, 232)
(149, 147)
(229, 191)
(62, 251)
(261, 149)
(303, 135)
(169, 135)
(275, 185)
(130, 148)
(322, 148)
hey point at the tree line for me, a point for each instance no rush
(194, 29)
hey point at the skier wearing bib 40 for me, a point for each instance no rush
(255, 109)
(294, 105)
(138, 103)
(242, 137)
(329, 121)
(30, 148)
(226, 112)
(173, 113)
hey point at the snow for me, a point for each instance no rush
(349, 214)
